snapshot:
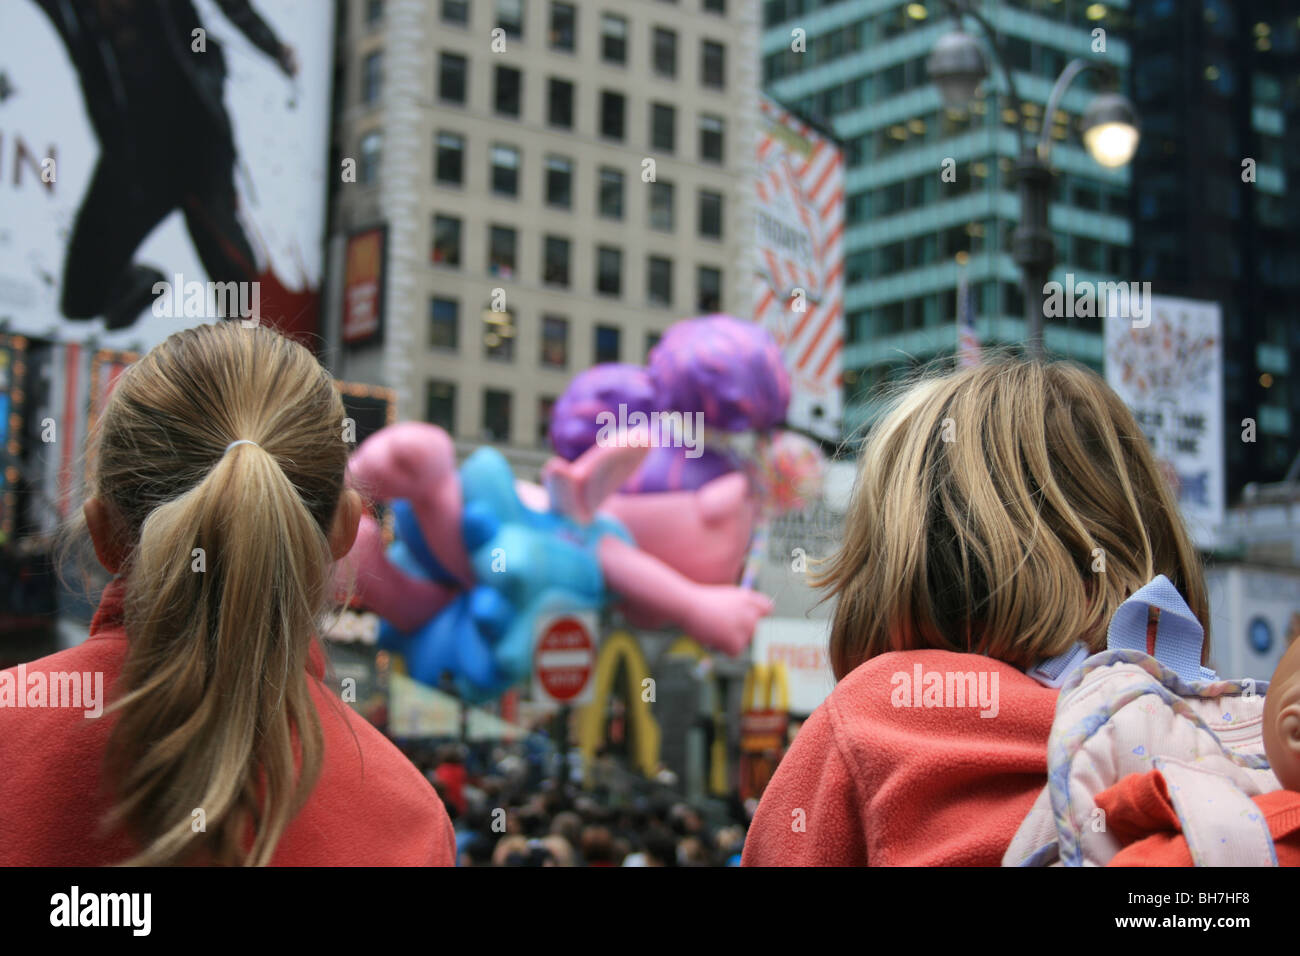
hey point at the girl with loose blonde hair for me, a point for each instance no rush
(218, 499)
(1007, 509)
(1001, 514)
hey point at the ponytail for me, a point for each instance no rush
(217, 742)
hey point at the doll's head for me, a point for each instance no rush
(1282, 719)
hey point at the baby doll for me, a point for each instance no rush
(1141, 814)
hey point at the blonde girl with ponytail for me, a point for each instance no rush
(218, 500)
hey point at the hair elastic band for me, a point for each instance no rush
(239, 441)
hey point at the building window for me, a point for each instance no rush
(713, 64)
(651, 340)
(607, 344)
(659, 281)
(663, 127)
(613, 38)
(502, 241)
(611, 193)
(559, 182)
(444, 323)
(559, 108)
(661, 206)
(545, 405)
(613, 106)
(708, 289)
(716, 6)
(510, 17)
(496, 415)
(609, 271)
(374, 13)
(508, 96)
(710, 220)
(455, 11)
(446, 241)
(555, 261)
(555, 341)
(449, 165)
(712, 131)
(440, 405)
(453, 77)
(564, 27)
(372, 147)
(505, 170)
(664, 52)
(499, 335)
(372, 78)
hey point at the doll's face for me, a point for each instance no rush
(1282, 719)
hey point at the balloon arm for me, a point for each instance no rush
(404, 601)
(721, 617)
(577, 488)
(417, 461)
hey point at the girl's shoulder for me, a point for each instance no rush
(922, 692)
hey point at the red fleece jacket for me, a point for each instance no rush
(1141, 815)
(370, 805)
(877, 776)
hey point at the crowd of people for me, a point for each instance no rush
(509, 808)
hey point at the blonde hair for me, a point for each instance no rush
(987, 502)
(214, 712)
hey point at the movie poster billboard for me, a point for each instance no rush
(162, 165)
(363, 286)
(800, 229)
(1167, 366)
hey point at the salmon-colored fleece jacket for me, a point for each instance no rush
(917, 758)
(370, 806)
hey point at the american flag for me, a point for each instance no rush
(968, 345)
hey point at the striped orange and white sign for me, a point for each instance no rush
(800, 230)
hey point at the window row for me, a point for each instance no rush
(990, 298)
(978, 175)
(557, 185)
(556, 267)
(562, 35)
(561, 107)
(498, 333)
(931, 248)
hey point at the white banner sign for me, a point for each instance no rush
(1167, 366)
(801, 645)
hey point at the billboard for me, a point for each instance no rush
(1167, 366)
(163, 164)
(363, 286)
(800, 262)
(12, 385)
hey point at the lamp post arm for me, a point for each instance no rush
(1072, 70)
(957, 9)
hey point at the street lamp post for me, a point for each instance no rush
(1110, 133)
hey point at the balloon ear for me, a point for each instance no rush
(578, 487)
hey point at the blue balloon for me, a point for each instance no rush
(527, 565)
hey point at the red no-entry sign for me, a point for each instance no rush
(564, 659)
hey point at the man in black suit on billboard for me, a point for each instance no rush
(153, 84)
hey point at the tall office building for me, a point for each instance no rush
(1218, 89)
(560, 181)
(912, 234)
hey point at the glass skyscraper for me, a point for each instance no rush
(930, 191)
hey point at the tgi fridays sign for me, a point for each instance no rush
(1170, 374)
